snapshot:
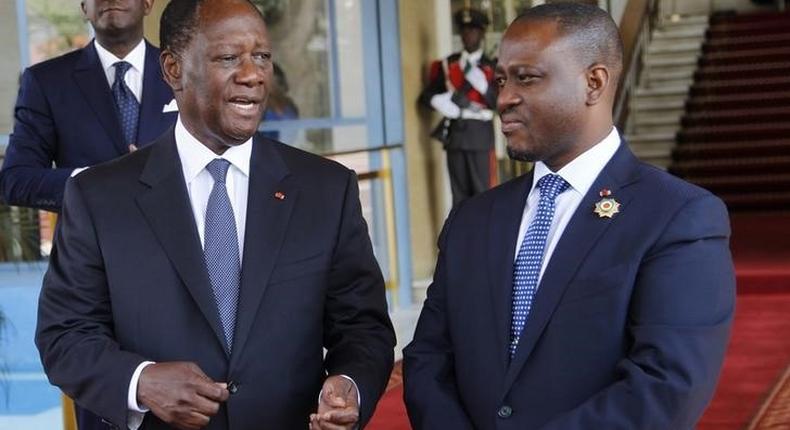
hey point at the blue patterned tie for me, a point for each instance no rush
(526, 269)
(128, 107)
(221, 249)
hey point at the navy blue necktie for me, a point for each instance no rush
(128, 107)
(526, 269)
(221, 249)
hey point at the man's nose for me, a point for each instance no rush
(506, 98)
(250, 72)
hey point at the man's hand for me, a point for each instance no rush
(132, 147)
(180, 394)
(338, 407)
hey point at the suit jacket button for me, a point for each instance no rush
(233, 387)
(505, 411)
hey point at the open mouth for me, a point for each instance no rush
(244, 104)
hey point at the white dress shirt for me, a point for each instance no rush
(133, 76)
(580, 174)
(194, 158)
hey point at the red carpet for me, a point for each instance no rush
(755, 382)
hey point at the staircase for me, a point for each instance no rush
(668, 72)
(735, 135)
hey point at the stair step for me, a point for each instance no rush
(740, 149)
(662, 118)
(738, 116)
(737, 132)
(667, 83)
(746, 56)
(665, 42)
(679, 90)
(660, 34)
(750, 17)
(779, 201)
(734, 86)
(675, 48)
(662, 105)
(732, 184)
(730, 166)
(719, 30)
(754, 42)
(651, 139)
(685, 73)
(738, 101)
(671, 61)
(652, 153)
(739, 71)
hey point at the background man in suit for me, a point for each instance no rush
(595, 292)
(460, 87)
(195, 282)
(65, 113)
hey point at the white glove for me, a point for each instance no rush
(480, 115)
(444, 105)
(477, 78)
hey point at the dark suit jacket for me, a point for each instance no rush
(127, 282)
(65, 114)
(628, 328)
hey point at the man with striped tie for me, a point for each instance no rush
(86, 107)
(594, 292)
(197, 282)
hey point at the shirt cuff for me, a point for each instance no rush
(359, 395)
(77, 171)
(131, 399)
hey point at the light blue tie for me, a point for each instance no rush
(221, 249)
(530, 256)
(128, 107)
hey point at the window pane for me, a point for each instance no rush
(55, 27)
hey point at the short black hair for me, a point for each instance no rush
(590, 28)
(179, 23)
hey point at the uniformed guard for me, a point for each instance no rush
(461, 88)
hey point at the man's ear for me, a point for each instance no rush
(598, 83)
(147, 6)
(171, 69)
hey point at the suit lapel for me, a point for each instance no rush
(267, 222)
(148, 100)
(92, 82)
(503, 229)
(166, 207)
(580, 236)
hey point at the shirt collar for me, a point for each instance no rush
(474, 57)
(195, 156)
(135, 57)
(582, 171)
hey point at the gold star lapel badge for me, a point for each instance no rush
(607, 206)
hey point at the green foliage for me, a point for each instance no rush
(19, 234)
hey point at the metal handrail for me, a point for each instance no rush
(650, 20)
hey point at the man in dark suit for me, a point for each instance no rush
(86, 107)
(595, 292)
(461, 88)
(196, 282)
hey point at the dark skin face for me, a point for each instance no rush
(118, 23)
(222, 78)
(471, 37)
(553, 108)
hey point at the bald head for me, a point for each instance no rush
(591, 31)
